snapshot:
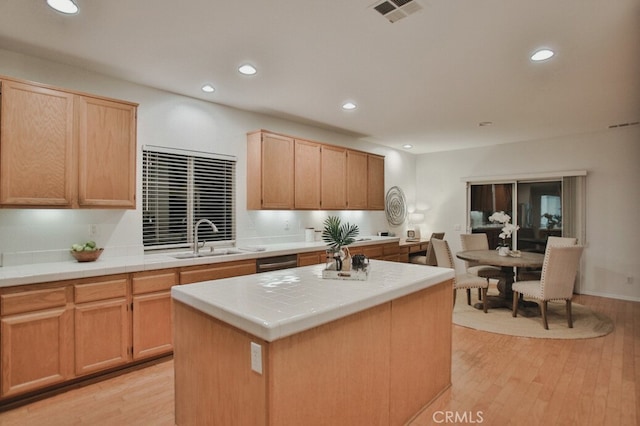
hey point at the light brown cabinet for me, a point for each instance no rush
(102, 324)
(375, 182)
(106, 153)
(284, 172)
(312, 258)
(60, 148)
(308, 166)
(334, 178)
(37, 340)
(193, 274)
(152, 317)
(37, 141)
(357, 192)
(270, 171)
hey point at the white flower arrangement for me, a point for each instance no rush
(508, 228)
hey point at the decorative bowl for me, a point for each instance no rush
(87, 256)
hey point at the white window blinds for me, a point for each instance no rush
(179, 188)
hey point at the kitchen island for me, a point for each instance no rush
(290, 348)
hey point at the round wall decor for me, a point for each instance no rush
(395, 206)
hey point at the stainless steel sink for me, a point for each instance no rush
(216, 252)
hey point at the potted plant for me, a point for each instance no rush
(507, 230)
(338, 236)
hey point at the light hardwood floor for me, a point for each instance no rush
(497, 380)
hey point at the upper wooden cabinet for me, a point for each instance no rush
(106, 153)
(308, 166)
(357, 176)
(334, 178)
(284, 173)
(60, 148)
(375, 182)
(36, 145)
(270, 171)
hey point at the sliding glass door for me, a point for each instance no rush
(541, 208)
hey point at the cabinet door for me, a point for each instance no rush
(36, 350)
(151, 315)
(375, 182)
(152, 325)
(334, 178)
(277, 172)
(102, 335)
(357, 180)
(107, 153)
(307, 175)
(36, 146)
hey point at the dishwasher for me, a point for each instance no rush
(275, 263)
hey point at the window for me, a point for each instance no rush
(179, 188)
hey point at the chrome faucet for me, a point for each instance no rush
(196, 246)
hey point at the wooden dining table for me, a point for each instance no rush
(507, 264)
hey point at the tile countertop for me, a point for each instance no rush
(109, 264)
(277, 304)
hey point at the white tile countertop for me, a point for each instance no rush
(277, 304)
(110, 263)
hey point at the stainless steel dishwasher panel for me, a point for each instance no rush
(275, 263)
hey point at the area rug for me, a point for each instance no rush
(586, 323)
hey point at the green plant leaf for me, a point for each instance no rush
(336, 234)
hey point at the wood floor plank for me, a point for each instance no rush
(503, 380)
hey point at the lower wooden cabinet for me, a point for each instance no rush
(102, 325)
(312, 258)
(37, 350)
(216, 271)
(152, 317)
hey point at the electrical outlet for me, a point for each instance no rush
(629, 280)
(286, 225)
(256, 357)
(93, 230)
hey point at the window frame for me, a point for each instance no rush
(194, 183)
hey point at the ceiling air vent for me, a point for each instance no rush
(394, 10)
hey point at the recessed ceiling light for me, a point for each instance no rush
(64, 6)
(208, 88)
(349, 106)
(247, 69)
(407, 146)
(542, 55)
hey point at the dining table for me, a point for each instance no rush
(516, 259)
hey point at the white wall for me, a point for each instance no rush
(167, 119)
(612, 161)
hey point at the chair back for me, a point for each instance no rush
(559, 270)
(431, 257)
(477, 241)
(561, 241)
(442, 253)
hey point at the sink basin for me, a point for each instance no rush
(216, 252)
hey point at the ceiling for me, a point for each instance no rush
(427, 80)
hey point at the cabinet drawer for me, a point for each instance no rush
(149, 282)
(100, 290)
(392, 248)
(315, 258)
(34, 300)
(194, 274)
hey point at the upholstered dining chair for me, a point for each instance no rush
(559, 270)
(534, 274)
(430, 257)
(478, 241)
(464, 281)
